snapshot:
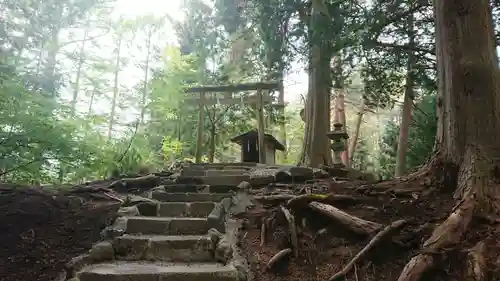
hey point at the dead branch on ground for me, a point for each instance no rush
(374, 241)
(293, 230)
(355, 224)
(278, 257)
(302, 200)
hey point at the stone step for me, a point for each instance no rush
(228, 180)
(175, 248)
(241, 165)
(213, 173)
(140, 271)
(184, 187)
(166, 225)
(185, 209)
(189, 197)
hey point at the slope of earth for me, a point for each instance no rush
(40, 231)
(326, 246)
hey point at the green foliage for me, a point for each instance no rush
(422, 133)
(361, 159)
(43, 140)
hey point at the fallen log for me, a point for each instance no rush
(355, 224)
(303, 200)
(144, 182)
(278, 257)
(293, 230)
(388, 230)
(445, 235)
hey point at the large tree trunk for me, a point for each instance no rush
(470, 94)
(316, 145)
(406, 112)
(469, 128)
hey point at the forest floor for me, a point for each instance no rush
(41, 230)
(325, 246)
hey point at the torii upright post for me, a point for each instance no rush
(258, 99)
(201, 120)
(261, 128)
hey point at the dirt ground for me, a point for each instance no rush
(41, 231)
(321, 256)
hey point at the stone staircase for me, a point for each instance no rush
(180, 232)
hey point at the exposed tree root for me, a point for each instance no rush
(278, 257)
(476, 263)
(374, 241)
(445, 235)
(355, 224)
(435, 173)
(293, 231)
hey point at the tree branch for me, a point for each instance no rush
(403, 47)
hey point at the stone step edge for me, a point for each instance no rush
(114, 271)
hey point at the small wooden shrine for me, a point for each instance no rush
(249, 143)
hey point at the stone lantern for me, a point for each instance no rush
(339, 140)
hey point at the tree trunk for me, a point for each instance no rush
(340, 116)
(211, 155)
(81, 59)
(91, 102)
(51, 63)
(469, 115)
(316, 149)
(470, 65)
(115, 87)
(355, 136)
(406, 112)
(146, 73)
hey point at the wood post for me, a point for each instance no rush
(261, 128)
(201, 120)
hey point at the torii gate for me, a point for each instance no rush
(258, 99)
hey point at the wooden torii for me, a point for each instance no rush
(258, 99)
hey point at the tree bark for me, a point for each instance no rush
(316, 149)
(469, 114)
(406, 112)
(354, 139)
(471, 94)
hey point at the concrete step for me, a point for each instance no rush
(139, 271)
(166, 225)
(189, 197)
(174, 248)
(185, 209)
